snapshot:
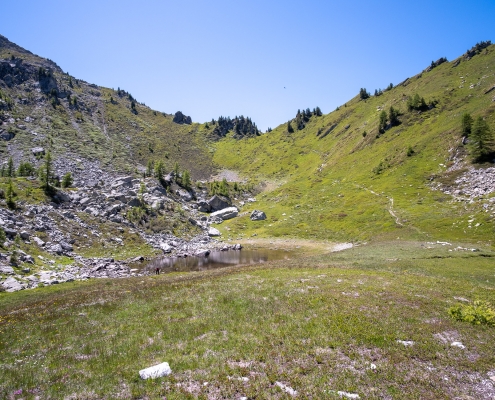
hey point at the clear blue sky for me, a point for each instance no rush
(216, 57)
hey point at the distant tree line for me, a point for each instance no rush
(241, 126)
(477, 48)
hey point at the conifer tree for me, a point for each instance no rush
(481, 141)
(10, 168)
(466, 124)
(289, 128)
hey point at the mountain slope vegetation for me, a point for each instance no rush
(75, 119)
(343, 176)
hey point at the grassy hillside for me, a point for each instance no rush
(75, 119)
(339, 178)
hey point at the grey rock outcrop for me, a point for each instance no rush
(226, 213)
(217, 203)
(258, 215)
(180, 118)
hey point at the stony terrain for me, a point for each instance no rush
(80, 213)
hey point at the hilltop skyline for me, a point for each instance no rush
(255, 59)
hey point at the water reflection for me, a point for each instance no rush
(217, 259)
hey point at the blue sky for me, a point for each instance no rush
(262, 59)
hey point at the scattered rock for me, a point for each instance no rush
(12, 285)
(156, 371)
(348, 395)
(213, 232)
(286, 389)
(165, 247)
(38, 241)
(6, 270)
(38, 151)
(217, 203)
(258, 215)
(406, 343)
(226, 213)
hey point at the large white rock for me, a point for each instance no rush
(166, 248)
(156, 371)
(213, 232)
(226, 213)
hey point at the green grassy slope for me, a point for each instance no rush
(346, 185)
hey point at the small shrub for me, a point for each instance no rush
(67, 180)
(410, 151)
(478, 313)
(3, 237)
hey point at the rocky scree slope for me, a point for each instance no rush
(108, 218)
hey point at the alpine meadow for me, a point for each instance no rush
(383, 210)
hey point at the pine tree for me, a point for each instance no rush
(67, 180)
(46, 172)
(10, 168)
(481, 141)
(186, 179)
(176, 171)
(150, 168)
(383, 122)
(363, 94)
(289, 128)
(160, 170)
(9, 195)
(393, 116)
(466, 124)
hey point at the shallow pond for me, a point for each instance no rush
(218, 259)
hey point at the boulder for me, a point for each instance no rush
(56, 248)
(134, 202)
(61, 197)
(66, 246)
(38, 241)
(202, 253)
(226, 213)
(258, 215)
(165, 247)
(6, 270)
(7, 135)
(180, 118)
(24, 235)
(38, 151)
(203, 206)
(12, 285)
(184, 195)
(213, 232)
(156, 371)
(217, 203)
(11, 233)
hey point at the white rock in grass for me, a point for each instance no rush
(406, 342)
(213, 232)
(156, 371)
(286, 389)
(348, 395)
(458, 344)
